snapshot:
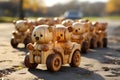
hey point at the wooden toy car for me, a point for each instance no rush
(53, 48)
(21, 35)
(101, 34)
(79, 36)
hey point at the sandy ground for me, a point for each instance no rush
(98, 64)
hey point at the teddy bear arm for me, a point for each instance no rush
(30, 46)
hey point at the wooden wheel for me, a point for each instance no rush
(13, 44)
(85, 47)
(76, 58)
(54, 62)
(26, 41)
(92, 43)
(99, 44)
(28, 64)
(105, 42)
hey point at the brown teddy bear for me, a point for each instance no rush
(21, 35)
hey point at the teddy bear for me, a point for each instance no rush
(22, 33)
(67, 22)
(42, 37)
(41, 20)
(64, 45)
(103, 29)
(52, 47)
(89, 35)
(100, 34)
(79, 35)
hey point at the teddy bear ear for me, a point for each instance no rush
(105, 23)
(85, 24)
(14, 21)
(50, 28)
(70, 29)
(96, 23)
(86, 20)
(25, 22)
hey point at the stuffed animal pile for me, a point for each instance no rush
(57, 41)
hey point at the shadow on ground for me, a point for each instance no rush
(66, 73)
(102, 54)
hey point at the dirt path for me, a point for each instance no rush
(98, 64)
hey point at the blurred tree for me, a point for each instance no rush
(34, 5)
(22, 15)
(113, 7)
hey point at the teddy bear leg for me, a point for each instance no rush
(31, 58)
(28, 64)
(85, 47)
(99, 44)
(105, 42)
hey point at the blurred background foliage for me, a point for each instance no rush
(37, 8)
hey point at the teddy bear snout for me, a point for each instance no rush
(37, 38)
(58, 38)
(76, 30)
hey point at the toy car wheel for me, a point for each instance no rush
(92, 43)
(105, 42)
(13, 44)
(85, 47)
(28, 64)
(76, 58)
(26, 41)
(54, 62)
(98, 44)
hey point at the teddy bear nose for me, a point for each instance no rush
(76, 30)
(37, 38)
(58, 38)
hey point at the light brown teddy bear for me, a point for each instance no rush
(100, 34)
(21, 35)
(67, 48)
(89, 35)
(42, 37)
(67, 22)
(79, 35)
(41, 20)
(103, 29)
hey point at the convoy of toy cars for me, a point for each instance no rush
(57, 41)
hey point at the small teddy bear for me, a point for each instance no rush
(67, 48)
(21, 35)
(67, 22)
(42, 37)
(89, 35)
(41, 20)
(62, 36)
(79, 36)
(100, 34)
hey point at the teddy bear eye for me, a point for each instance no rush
(34, 34)
(79, 28)
(41, 35)
(61, 34)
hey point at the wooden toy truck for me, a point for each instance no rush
(21, 35)
(53, 48)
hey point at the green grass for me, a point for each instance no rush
(7, 19)
(10, 19)
(104, 18)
